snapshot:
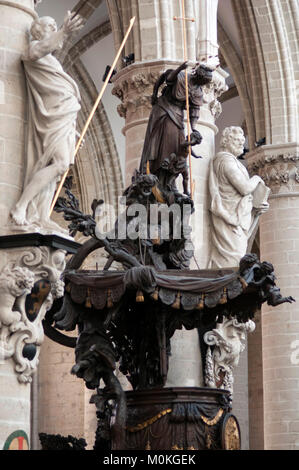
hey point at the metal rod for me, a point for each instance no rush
(93, 110)
(184, 19)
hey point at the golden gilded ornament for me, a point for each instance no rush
(88, 299)
(148, 422)
(231, 436)
(212, 422)
(155, 294)
(177, 302)
(201, 303)
(139, 296)
(243, 282)
(223, 298)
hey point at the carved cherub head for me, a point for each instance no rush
(43, 27)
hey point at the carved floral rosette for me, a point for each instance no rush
(277, 165)
(226, 342)
(29, 283)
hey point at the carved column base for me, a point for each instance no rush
(180, 418)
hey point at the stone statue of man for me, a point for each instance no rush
(236, 201)
(53, 99)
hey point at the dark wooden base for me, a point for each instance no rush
(181, 418)
(38, 239)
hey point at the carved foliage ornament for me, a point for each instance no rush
(135, 91)
(212, 92)
(21, 331)
(280, 172)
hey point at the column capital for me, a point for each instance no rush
(133, 85)
(278, 166)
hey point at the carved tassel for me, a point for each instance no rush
(201, 303)
(139, 296)
(68, 288)
(155, 295)
(148, 446)
(243, 282)
(223, 298)
(109, 299)
(88, 299)
(177, 302)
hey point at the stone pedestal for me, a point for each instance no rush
(16, 18)
(15, 409)
(279, 235)
(30, 269)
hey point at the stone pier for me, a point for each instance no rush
(277, 164)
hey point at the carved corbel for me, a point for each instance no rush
(226, 342)
(29, 283)
(211, 93)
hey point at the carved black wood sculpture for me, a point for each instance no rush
(129, 316)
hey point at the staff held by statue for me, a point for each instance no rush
(132, 21)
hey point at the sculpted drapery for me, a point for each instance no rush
(232, 192)
(53, 104)
(165, 131)
(53, 99)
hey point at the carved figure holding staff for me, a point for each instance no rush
(54, 101)
(165, 132)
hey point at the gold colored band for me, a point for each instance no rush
(212, 422)
(147, 423)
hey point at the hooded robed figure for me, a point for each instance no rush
(165, 131)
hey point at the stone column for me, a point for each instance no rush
(279, 243)
(207, 45)
(30, 264)
(16, 18)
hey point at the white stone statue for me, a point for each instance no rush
(236, 201)
(53, 99)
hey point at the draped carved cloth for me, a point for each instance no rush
(191, 285)
(53, 99)
(231, 210)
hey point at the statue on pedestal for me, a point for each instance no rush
(53, 98)
(236, 201)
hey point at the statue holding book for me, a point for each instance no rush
(237, 201)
